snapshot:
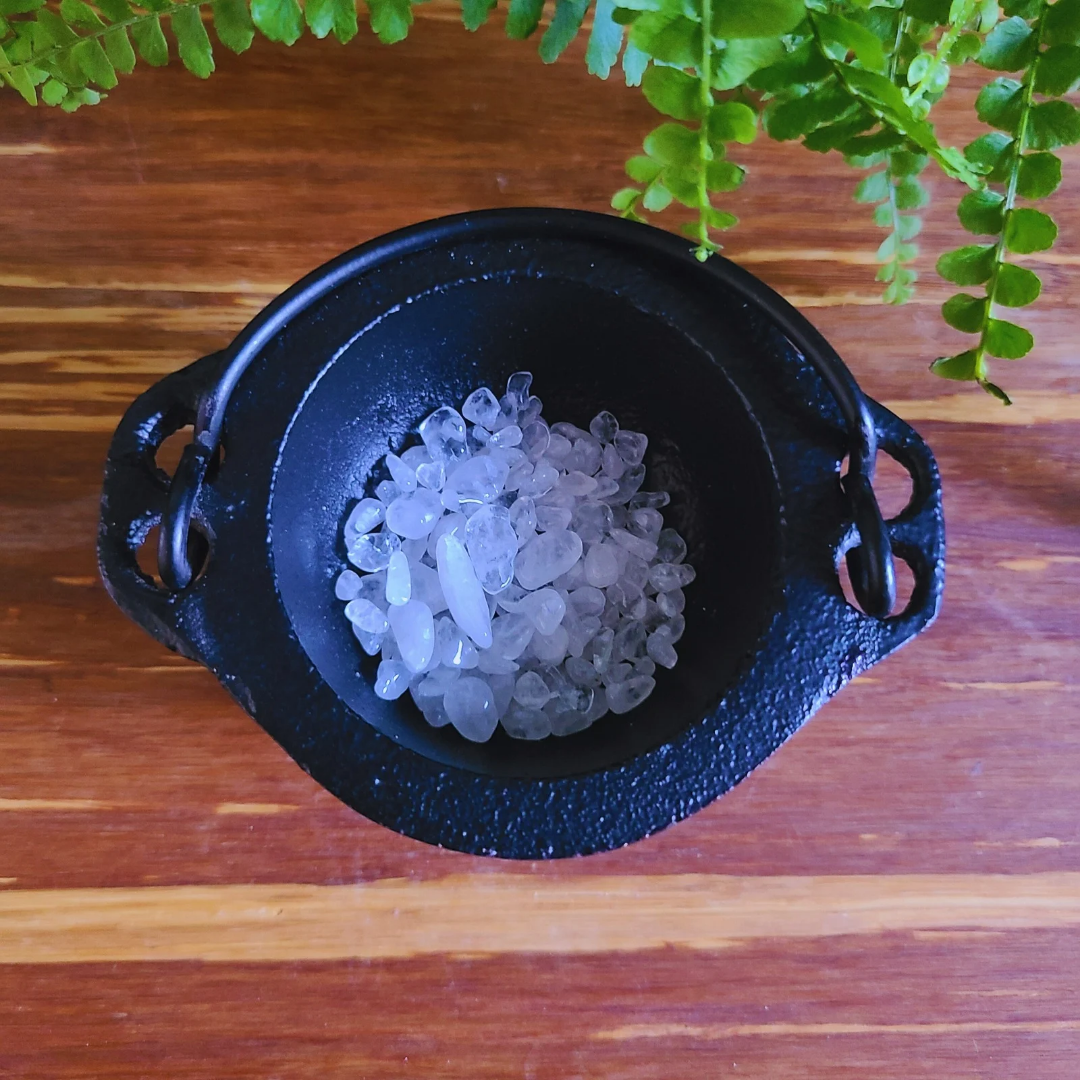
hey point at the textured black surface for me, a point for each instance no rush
(742, 430)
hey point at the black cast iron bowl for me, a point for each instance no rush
(749, 415)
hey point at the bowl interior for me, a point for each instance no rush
(589, 349)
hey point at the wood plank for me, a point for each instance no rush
(493, 914)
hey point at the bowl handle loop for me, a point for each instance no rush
(137, 495)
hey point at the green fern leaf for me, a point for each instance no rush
(195, 50)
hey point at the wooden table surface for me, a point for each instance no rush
(895, 894)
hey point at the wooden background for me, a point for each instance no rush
(895, 894)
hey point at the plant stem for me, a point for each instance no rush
(98, 32)
(704, 152)
(944, 46)
(1016, 159)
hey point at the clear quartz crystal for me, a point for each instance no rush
(402, 475)
(463, 591)
(398, 579)
(366, 515)
(546, 557)
(492, 546)
(391, 680)
(414, 515)
(414, 631)
(481, 407)
(372, 551)
(515, 573)
(470, 705)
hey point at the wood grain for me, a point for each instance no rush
(894, 894)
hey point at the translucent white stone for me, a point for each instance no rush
(416, 456)
(654, 499)
(443, 433)
(592, 521)
(577, 483)
(617, 672)
(478, 438)
(386, 491)
(366, 615)
(372, 551)
(492, 545)
(518, 386)
(426, 587)
(391, 680)
(550, 518)
(551, 648)
(601, 566)
(648, 523)
(523, 722)
(369, 642)
(491, 663)
(415, 514)
(508, 413)
(530, 411)
(558, 446)
(599, 651)
(544, 608)
(605, 488)
(671, 548)
(389, 650)
(403, 476)
(629, 641)
(508, 436)
(519, 473)
(631, 446)
(535, 439)
(587, 600)
(546, 557)
(414, 632)
(671, 603)
(625, 695)
(452, 647)
(463, 591)
(612, 465)
(437, 682)
(431, 475)
(677, 626)
(569, 431)
(448, 523)
(667, 576)
(511, 633)
(636, 545)
(645, 665)
(631, 480)
(660, 647)
(365, 516)
(542, 479)
(502, 689)
(481, 407)
(470, 705)
(347, 586)
(585, 457)
(582, 672)
(579, 631)
(478, 480)
(523, 516)
(398, 579)
(531, 691)
(435, 712)
(573, 577)
(604, 426)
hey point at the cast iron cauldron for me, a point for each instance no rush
(749, 415)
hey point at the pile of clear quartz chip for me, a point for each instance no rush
(514, 572)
